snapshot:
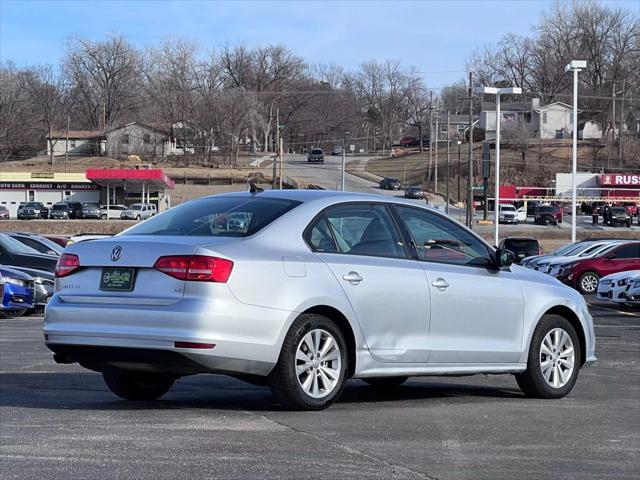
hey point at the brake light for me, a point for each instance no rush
(67, 264)
(197, 268)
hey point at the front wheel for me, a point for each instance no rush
(554, 359)
(103, 217)
(312, 368)
(137, 386)
(588, 282)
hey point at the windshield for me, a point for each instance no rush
(33, 205)
(60, 206)
(12, 245)
(565, 249)
(545, 209)
(594, 249)
(90, 205)
(508, 208)
(216, 216)
(316, 152)
(619, 210)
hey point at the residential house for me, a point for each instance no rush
(458, 126)
(554, 120)
(80, 142)
(140, 139)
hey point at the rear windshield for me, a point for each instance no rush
(316, 152)
(12, 245)
(522, 245)
(217, 217)
(619, 210)
(545, 209)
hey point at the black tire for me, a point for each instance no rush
(138, 217)
(385, 382)
(283, 380)
(531, 381)
(137, 386)
(103, 217)
(583, 282)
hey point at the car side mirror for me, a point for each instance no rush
(504, 258)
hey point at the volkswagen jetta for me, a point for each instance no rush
(310, 289)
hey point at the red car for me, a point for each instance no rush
(59, 239)
(558, 211)
(632, 208)
(584, 275)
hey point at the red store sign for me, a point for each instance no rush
(620, 180)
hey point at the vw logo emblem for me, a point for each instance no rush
(116, 253)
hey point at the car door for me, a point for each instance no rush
(625, 257)
(476, 310)
(388, 291)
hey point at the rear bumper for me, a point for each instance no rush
(247, 338)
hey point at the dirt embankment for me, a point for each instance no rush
(65, 227)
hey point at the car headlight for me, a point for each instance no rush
(15, 281)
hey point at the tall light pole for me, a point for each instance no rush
(497, 92)
(575, 66)
(344, 147)
(458, 170)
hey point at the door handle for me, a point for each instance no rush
(353, 278)
(440, 283)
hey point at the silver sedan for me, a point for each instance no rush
(302, 290)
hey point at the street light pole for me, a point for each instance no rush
(458, 170)
(344, 146)
(575, 66)
(497, 92)
(446, 208)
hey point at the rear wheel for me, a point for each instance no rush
(138, 386)
(554, 359)
(385, 382)
(103, 217)
(588, 282)
(312, 368)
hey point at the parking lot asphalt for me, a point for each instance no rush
(60, 421)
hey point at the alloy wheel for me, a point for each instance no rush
(557, 358)
(318, 363)
(589, 283)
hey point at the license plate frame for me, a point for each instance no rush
(116, 283)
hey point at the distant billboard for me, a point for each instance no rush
(620, 180)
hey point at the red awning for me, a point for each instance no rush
(131, 179)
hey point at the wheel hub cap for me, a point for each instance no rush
(318, 363)
(557, 358)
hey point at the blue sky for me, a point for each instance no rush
(436, 36)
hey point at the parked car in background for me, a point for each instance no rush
(83, 237)
(545, 214)
(32, 211)
(138, 211)
(521, 214)
(614, 287)
(43, 285)
(16, 292)
(615, 216)
(37, 242)
(91, 210)
(584, 275)
(632, 293)
(542, 261)
(315, 155)
(336, 150)
(406, 284)
(75, 210)
(390, 184)
(531, 207)
(632, 208)
(522, 247)
(114, 211)
(13, 252)
(4, 213)
(555, 266)
(530, 261)
(414, 192)
(409, 142)
(60, 211)
(59, 239)
(507, 213)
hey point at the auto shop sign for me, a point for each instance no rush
(620, 180)
(47, 186)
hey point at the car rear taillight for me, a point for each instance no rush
(198, 268)
(67, 264)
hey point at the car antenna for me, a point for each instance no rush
(253, 188)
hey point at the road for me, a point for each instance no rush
(60, 422)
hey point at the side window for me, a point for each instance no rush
(628, 251)
(365, 229)
(319, 237)
(440, 240)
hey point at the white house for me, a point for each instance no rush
(81, 142)
(554, 120)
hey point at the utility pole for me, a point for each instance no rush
(430, 134)
(446, 208)
(275, 163)
(280, 155)
(66, 148)
(613, 134)
(620, 149)
(435, 167)
(470, 184)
